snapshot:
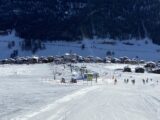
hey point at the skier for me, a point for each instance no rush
(143, 81)
(133, 82)
(115, 81)
(63, 80)
(147, 80)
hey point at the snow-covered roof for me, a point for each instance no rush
(67, 54)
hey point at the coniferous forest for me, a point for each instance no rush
(78, 19)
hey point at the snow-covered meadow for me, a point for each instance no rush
(29, 92)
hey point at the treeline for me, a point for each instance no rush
(75, 19)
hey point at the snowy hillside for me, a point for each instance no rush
(144, 48)
(29, 92)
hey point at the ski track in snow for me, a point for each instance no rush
(55, 106)
(102, 103)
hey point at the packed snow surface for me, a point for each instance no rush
(26, 88)
(29, 92)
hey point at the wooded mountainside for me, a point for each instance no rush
(76, 19)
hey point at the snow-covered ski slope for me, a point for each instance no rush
(27, 88)
(95, 47)
(29, 92)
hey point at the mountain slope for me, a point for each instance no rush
(70, 20)
(144, 49)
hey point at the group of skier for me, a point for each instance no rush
(133, 81)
